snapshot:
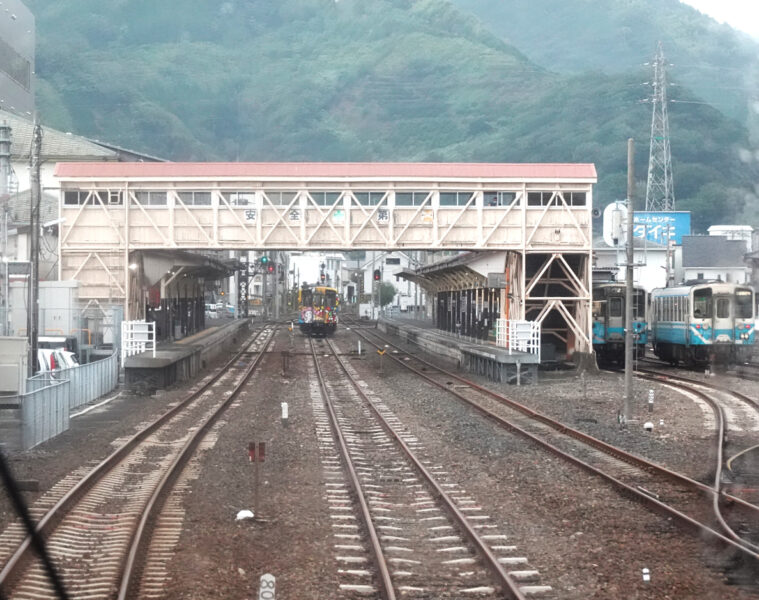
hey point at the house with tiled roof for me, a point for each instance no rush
(713, 257)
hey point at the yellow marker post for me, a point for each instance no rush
(381, 353)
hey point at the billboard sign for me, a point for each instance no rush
(658, 227)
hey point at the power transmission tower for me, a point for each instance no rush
(660, 191)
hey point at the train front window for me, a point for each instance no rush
(702, 304)
(722, 308)
(744, 304)
(326, 299)
(615, 307)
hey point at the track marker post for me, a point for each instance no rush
(256, 454)
(267, 587)
(285, 414)
(381, 354)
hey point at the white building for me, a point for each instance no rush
(650, 262)
(713, 257)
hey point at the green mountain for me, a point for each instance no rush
(719, 64)
(336, 80)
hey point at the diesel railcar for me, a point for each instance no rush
(318, 310)
(703, 323)
(609, 322)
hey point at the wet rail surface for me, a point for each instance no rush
(689, 502)
(423, 534)
(99, 532)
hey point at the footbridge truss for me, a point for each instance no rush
(537, 212)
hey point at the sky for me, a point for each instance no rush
(740, 14)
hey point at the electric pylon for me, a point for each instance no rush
(660, 191)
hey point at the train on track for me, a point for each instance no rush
(318, 310)
(703, 323)
(609, 321)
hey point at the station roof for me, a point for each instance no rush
(340, 170)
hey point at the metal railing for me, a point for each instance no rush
(136, 338)
(521, 336)
(46, 406)
(44, 411)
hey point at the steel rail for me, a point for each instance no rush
(718, 409)
(50, 520)
(646, 499)
(385, 580)
(508, 584)
(140, 537)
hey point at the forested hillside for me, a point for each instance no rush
(716, 62)
(352, 80)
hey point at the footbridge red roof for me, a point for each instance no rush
(340, 170)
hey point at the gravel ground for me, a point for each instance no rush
(586, 545)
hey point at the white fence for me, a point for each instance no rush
(137, 337)
(522, 336)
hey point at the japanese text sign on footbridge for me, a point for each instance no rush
(257, 451)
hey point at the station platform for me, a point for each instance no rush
(182, 359)
(481, 357)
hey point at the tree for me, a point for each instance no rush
(387, 292)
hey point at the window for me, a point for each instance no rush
(79, 197)
(279, 197)
(702, 303)
(744, 303)
(539, 198)
(195, 198)
(369, 198)
(392, 261)
(240, 198)
(74, 197)
(615, 307)
(498, 198)
(325, 198)
(150, 198)
(410, 198)
(723, 308)
(455, 198)
(574, 198)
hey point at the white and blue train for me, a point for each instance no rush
(609, 321)
(703, 323)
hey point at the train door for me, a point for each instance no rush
(723, 319)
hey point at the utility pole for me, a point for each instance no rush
(5, 179)
(660, 191)
(626, 407)
(33, 307)
(277, 267)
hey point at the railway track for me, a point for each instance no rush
(730, 408)
(99, 533)
(424, 536)
(688, 502)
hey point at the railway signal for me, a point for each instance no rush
(377, 275)
(270, 268)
